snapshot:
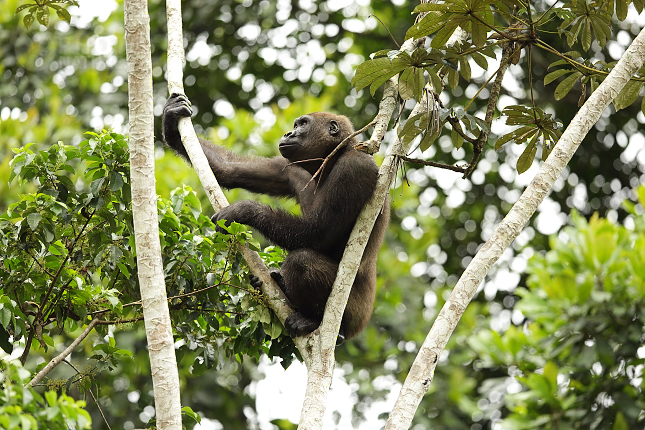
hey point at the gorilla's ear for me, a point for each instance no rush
(334, 128)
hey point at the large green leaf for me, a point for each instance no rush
(566, 85)
(527, 157)
(628, 95)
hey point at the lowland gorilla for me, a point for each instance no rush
(329, 206)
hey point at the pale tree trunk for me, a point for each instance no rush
(163, 364)
(273, 294)
(422, 371)
(320, 367)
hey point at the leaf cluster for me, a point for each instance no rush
(70, 255)
(573, 362)
(23, 407)
(535, 126)
(40, 8)
(510, 26)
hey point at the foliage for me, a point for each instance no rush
(57, 83)
(69, 256)
(41, 9)
(23, 407)
(576, 361)
(514, 27)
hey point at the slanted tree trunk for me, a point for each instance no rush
(422, 371)
(163, 364)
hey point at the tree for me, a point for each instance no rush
(154, 301)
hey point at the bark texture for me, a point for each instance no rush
(161, 348)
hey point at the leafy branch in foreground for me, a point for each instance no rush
(40, 8)
(69, 254)
(493, 26)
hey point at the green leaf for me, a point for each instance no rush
(621, 9)
(527, 157)
(28, 20)
(464, 68)
(43, 15)
(457, 139)
(4, 340)
(116, 181)
(418, 83)
(565, 86)
(442, 36)
(33, 219)
(23, 7)
(479, 34)
(430, 23)
(190, 413)
(406, 83)
(502, 140)
(555, 75)
(628, 95)
(64, 14)
(430, 7)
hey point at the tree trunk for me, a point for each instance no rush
(163, 363)
(422, 371)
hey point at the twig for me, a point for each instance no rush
(388, 30)
(433, 164)
(60, 357)
(91, 394)
(192, 293)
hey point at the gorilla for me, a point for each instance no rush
(329, 204)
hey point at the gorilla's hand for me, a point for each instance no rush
(176, 107)
(242, 212)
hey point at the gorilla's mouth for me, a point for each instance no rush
(288, 145)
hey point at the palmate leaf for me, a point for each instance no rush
(535, 125)
(377, 71)
(588, 18)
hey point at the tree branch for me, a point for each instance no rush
(63, 355)
(276, 299)
(321, 365)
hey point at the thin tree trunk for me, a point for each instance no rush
(320, 368)
(163, 363)
(422, 370)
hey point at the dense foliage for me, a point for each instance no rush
(69, 256)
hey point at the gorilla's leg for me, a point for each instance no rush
(308, 279)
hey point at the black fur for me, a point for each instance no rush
(330, 205)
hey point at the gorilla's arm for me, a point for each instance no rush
(256, 174)
(329, 214)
